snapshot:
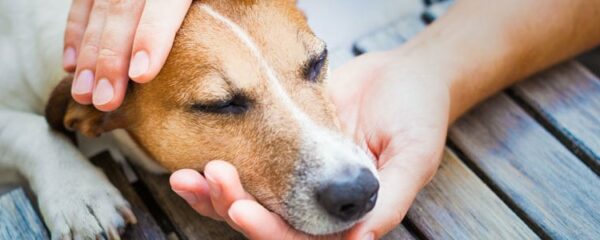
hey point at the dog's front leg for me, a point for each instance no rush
(75, 198)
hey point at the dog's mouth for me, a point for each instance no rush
(334, 206)
(329, 195)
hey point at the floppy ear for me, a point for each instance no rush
(64, 114)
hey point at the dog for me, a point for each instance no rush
(244, 82)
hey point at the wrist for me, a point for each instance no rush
(441, 76)
(470, 71)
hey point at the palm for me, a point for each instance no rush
(394, 111)
(401, 117)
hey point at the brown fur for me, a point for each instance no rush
(58, 103)
(209, 63)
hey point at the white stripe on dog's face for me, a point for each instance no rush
(324, 154)
(274, 82)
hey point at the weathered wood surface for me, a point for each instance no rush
(18, 219)
(340, 22)
(146, 227)
(399, 233)
(591, 60)
(187, 223)
(526, 180)
(573, 104)
(554, 191)
(567, 97)
(436, 9)
(390, 36)
(456, 204)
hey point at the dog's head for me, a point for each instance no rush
(244, 83)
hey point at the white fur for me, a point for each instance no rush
(74, 197)
(134, 153)
(325, 154)
(77, 199)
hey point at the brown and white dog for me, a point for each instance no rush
(244, 82)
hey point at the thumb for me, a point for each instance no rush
(194, 189)
(251, 217)
(398, 189)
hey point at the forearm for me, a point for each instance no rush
(481, 47)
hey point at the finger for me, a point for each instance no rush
(252, 218)
(393, 202)
(400, 182)
(83, 84)
(114, 53)
(154, 37)
(193, 188)
(225, 186)
(76, 24)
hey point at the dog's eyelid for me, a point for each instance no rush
(312, 69)
(236, 104)
(321, 55)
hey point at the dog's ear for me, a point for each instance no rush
(64, 114)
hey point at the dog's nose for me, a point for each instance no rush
(349, 197)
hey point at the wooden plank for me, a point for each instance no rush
(191, 225)
(390, 36)
(458, 205)
(147, 227)
(554, 191)
(436, 10)
(18, 220)
(567, 97)
(187, 223)
(354, 18)
(591, 60)
(399, 233)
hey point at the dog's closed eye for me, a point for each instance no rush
(235, 105)
(315, 65)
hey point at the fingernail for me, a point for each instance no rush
(69, 57)
(187, 196)
(236, 221)
(232, 216)
(369, 236)
(84, 82)
(215, 190)
(139, 65)
(103, 93)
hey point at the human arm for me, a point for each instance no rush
(401, 102)
(484, 47)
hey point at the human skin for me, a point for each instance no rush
(109, 42)
(400, 103)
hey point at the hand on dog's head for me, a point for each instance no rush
(65, 115)
(245, 82)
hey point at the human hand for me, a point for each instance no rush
(219, 195)
(109, 42)
(397, 109)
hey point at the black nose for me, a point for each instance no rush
(349, 197)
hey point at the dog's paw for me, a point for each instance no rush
(89, 208)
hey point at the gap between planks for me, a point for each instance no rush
(456, 204)
(566, 101)
(497, 191)
(552, 188)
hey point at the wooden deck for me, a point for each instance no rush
(524, 164)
